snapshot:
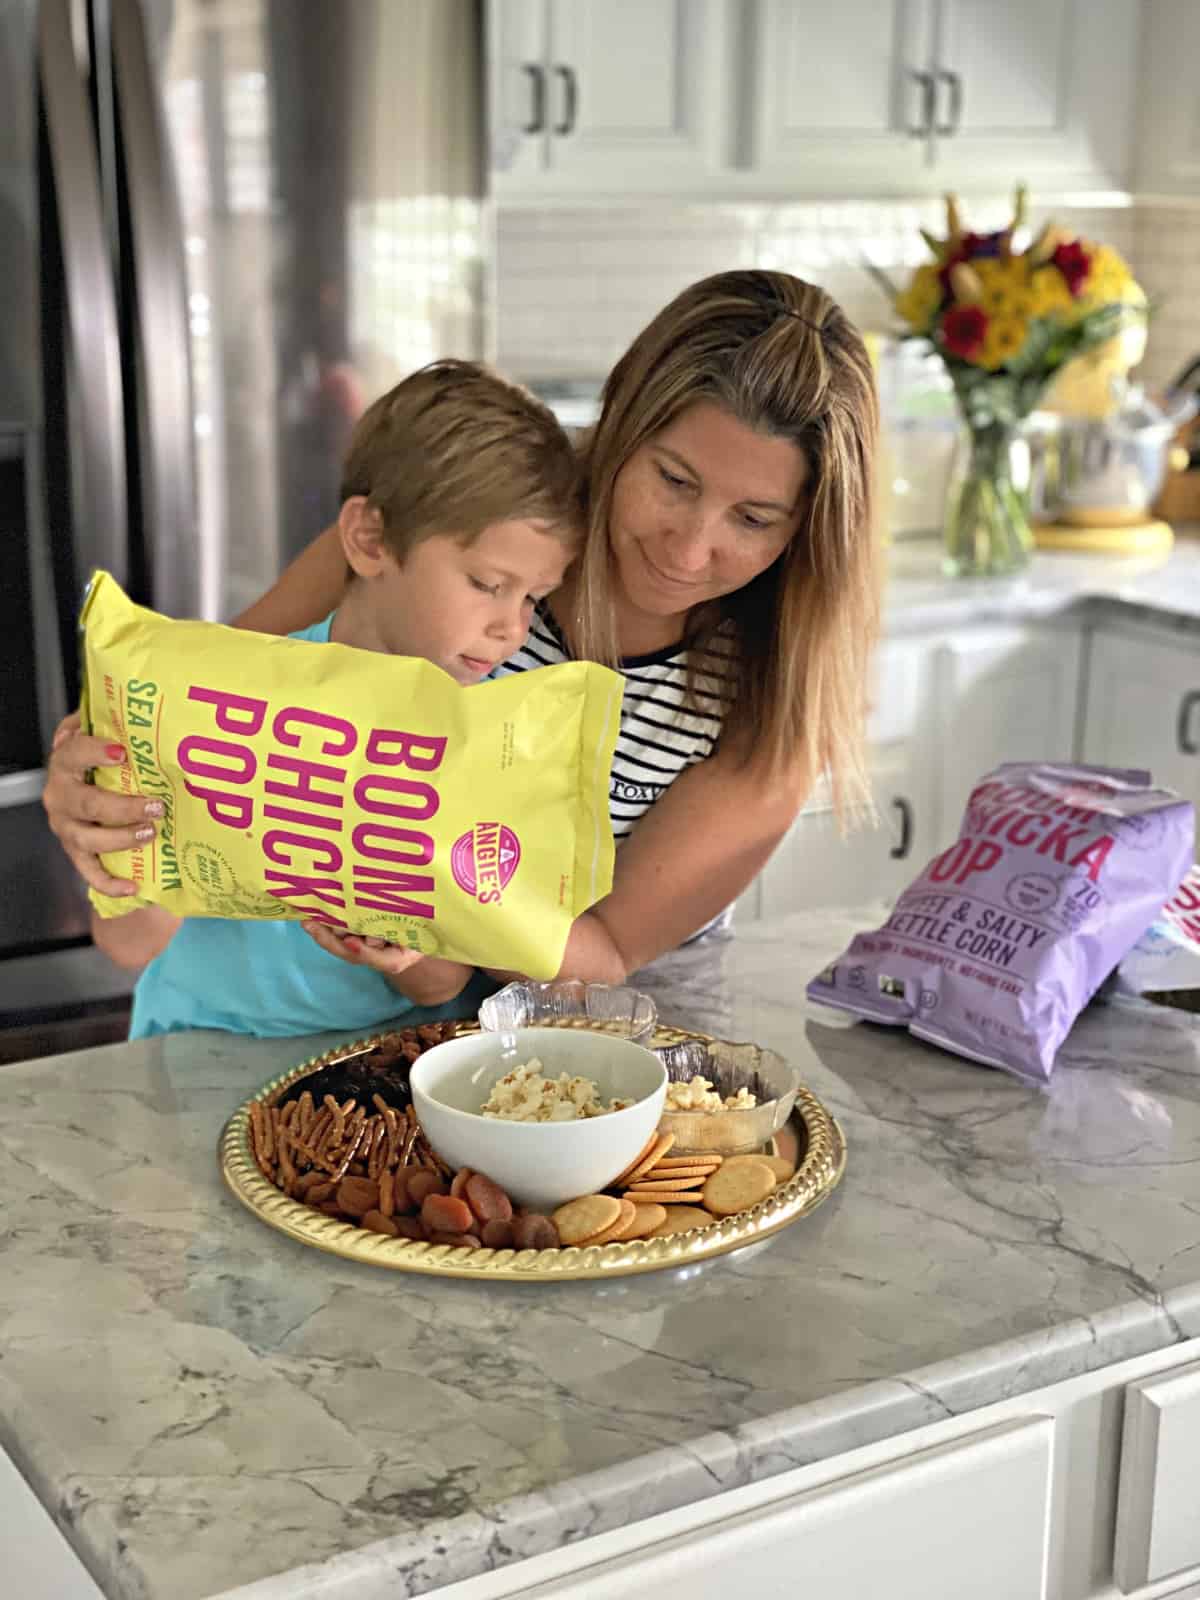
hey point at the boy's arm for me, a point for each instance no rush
(308, 589)
(134, 940)
(432, 981)
(425, 980)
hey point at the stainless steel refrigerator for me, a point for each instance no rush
(225, 225)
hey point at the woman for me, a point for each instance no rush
(729, 571)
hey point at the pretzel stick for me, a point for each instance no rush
(378, 1141)
(351, 1151)
(313, 1157)
(339, 1118)
(287, 1171)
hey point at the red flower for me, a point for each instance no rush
(1073, 261)
(963, 331)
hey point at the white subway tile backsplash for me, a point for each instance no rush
(575, 285)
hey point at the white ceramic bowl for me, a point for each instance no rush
(538, 1164)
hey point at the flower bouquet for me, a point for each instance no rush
(1005, 322)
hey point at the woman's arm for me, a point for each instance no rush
(134, 940)
(692, 853)
(689, 857)
(305, 591)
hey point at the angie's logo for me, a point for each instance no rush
(484, 860)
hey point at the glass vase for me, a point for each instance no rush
(987, 532)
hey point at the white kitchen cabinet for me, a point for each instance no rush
(816, 865)
(1158, 1512)
(1142, 705)
(973, 1512)
(1016, 1499)
(906, 96)
(605, 96)
(724, 99)
(1044, 90)
(518, 89)
(1169, 124)
(837, 96)
(1001, 694)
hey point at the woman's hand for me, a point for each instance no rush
(425, 980)
(88, 820)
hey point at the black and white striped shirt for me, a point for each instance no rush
(663, 732)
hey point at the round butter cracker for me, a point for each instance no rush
(779, 1165)
(681, 1219)
(653, 1156)
(578, 1221)
(736, 1186)
(619, 1229)
(647, 1149)
(646, 1219)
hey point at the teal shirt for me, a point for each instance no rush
(270, 980)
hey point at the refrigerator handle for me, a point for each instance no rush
(161, 321)
(98, 418)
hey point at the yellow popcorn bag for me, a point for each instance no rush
(367, 790)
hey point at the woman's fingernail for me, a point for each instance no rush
(352, 943)
(144, 834)
(115, 752)
(152, 808)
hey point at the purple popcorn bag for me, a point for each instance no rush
(1004, 938)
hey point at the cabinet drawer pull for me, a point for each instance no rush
(537, 119)
(899, 851)
(1183, 724)
(571, 100)
(954, 120)
(924, 128)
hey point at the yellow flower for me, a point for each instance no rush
(1005, 286)
(1049, 295)
(1108, 268)
(1004, 339)
(920, 300)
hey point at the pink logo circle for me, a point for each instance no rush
(484, 860)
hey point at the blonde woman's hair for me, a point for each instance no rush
(781, 357)
(454, 448)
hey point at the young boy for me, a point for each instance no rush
(459, 511)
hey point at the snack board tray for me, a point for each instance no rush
(821, 1162)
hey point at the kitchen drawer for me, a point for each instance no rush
(1158, 1505)
(965, 1518)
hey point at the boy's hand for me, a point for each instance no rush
(390, 960)
(425, 980)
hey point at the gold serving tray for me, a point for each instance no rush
(817, 1175)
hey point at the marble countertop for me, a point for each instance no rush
(1161, 589)
(209, 1408)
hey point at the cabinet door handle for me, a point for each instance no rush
(537, 116)
(570, 101)
(899, 851)
(954, 121)
(1183, 724)
(928, 86)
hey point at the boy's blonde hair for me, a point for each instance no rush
(454, 448)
